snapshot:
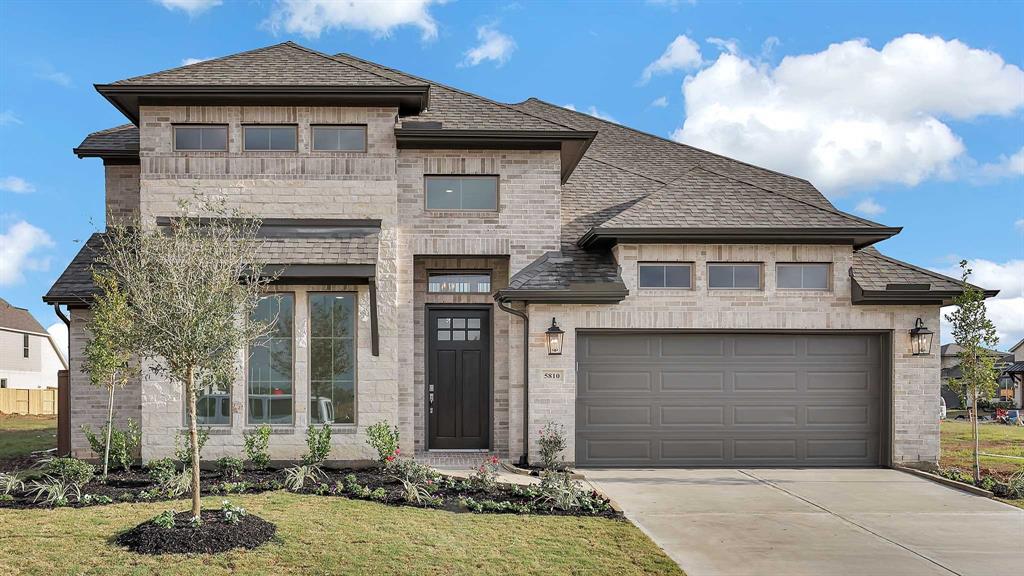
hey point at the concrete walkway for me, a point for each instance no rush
(814, 522)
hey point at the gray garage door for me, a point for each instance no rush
(659, 399)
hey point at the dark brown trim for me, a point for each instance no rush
(584, 294)
(857, 237)
(374, 328)
(336, 273)
(894, 297)
(524, 458)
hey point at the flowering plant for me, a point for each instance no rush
(485, 476)
(552, 441)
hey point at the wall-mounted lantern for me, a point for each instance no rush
(920, 339)
(553, 337)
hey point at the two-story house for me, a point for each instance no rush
(29, 356)
(706, 311)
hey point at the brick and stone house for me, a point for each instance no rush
(713, 312)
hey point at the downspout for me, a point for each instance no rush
(524, 459)
(67, 322)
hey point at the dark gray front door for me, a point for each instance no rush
(458, 378)
(661, 399)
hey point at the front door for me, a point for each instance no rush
(458, 378)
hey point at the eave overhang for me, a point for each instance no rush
(571, 143)
(580, 294)
(915, 294)
(127, 98)
(599, 237)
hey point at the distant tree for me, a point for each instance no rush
(191, 287)
(108, 352)
(973, 332)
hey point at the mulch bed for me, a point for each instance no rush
(212, 536)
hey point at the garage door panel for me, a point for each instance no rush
(639, 347)
(806, 400)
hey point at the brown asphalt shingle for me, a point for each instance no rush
(124, 138)
(18, 319)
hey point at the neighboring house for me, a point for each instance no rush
(29, 357)
(714, 312)
(1007, 387)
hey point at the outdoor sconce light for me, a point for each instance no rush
(553, 337)
(920, 339)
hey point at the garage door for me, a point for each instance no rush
(659, 399)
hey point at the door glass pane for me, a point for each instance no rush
(332, 358)
(459, 283)
(473, 322)
(458, 334)
(473, 335)
(444, 322)
(444, 335)
(458, 322)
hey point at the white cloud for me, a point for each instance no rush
(728, 45)
(850, 115)
(660, 102)
(1011, 166)
(8, 117)
(1019, 224)
(191, 61)
(16, 185)
(17, 246)
(59, 332)
(592, 111)
(192, 7)
(56, 77)
(493, 45)
(681, 54)
(311, 17)
(1006, 310)
(869, 207)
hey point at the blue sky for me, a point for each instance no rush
(910, 114)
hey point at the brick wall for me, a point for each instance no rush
(122, 183)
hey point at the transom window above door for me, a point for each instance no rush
(461, 192)
(459, 283)
(458, 329)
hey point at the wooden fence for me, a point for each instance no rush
(36, 402)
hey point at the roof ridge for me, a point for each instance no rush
(628, 171)
(663, 139)
(454, 89)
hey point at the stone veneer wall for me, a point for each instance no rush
(915, 434)
(498, 268)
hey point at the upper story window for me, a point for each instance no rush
(197, 137)
(741, 276)
(278, 138)
(25, 345)
(462, 192)
(802, 276)
(459, 283)
(339, 138)
(665, 275)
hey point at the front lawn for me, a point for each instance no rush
(336, 536)
(957, 449)
(21, 435)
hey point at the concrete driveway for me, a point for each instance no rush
(831, 521)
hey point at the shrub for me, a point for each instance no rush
(161, 470)
(256, 446)
(232, 514)
(295, 478)
(552, 441)
(384, 439)
(164, 519)
(230, 467)
(124, 444)
(318, 441)
(71, 471)
(485, 476)
(182, 449)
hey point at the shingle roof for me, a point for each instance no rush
(285, 64)
(875, 271)
(18, 319)
(1015, 368)
(123, 138)
(75, 284)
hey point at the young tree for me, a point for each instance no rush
(973, 332)
(108, 354)
(191, 287)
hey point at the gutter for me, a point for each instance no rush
(524, 459)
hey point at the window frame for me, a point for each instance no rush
(690, 265)
(488, 273)
(312, 138)
(760, 275)
(248, 422)
(828, 276)
(497, 193)
(355, 357)
(25, 345)
(294, 127)
(174, 137)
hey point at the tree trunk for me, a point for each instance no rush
(193, 438)
(974, 431)
(110, 427)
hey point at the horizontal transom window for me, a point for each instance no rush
(459, 283)
(744, 276)
(339, 138)
(802, 276)
(201, 138)
(462, 192)
(659, 275)
(280, 138)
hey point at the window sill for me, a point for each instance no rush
(279, 429)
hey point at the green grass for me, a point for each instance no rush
(21, 435)
(957, 449)
(326, 535)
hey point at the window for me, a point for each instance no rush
(258, 138)
(458, 329)
(270, 383)
(201, 138)
(213, 402)
(24, 344)
(3, 382)
(802, 276)
(332, 362)
(339, 138)
(462, 192)
(665, 276)
(459, 283)
(746, 276)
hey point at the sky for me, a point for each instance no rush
(910, 114)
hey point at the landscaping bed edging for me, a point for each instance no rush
(946, 481)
